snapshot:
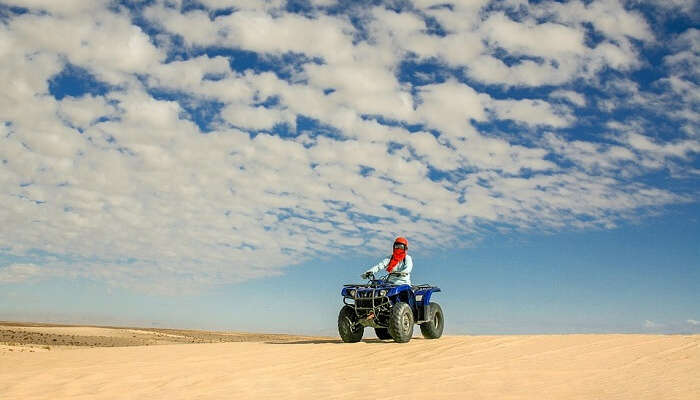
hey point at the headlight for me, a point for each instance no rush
(382, 292)
(351, 292)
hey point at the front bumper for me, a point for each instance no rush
(368, 303)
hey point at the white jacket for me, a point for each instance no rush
(404, 267)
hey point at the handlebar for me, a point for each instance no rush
(371, 277)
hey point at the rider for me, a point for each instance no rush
(400, 264)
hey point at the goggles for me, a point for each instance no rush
(399, 246)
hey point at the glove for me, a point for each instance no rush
(365, 275)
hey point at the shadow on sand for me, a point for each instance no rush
(333, 341)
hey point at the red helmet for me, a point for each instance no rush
(401, 240)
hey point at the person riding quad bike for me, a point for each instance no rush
(390, 305)
(399, 265)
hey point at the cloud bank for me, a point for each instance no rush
(177, 144)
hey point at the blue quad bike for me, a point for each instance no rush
(390, 309)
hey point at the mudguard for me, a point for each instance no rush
(423, 295)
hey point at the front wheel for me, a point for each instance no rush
(348, 330)
(401, 322)
(432, 329)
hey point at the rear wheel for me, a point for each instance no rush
(348, 330)
(401, 322)
(436, 322)
(382, 333)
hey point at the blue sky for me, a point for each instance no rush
(229, 164)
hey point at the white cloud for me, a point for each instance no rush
(85, 111)
(531, 112)
(684, 64)
(534, 39)
(60, 7)
(449, 106)
(607, 16)
(189, 75)
(571, 96)
(15, 273)
(466, 17)
(256, 118)
(246, 4)
(681, 149)
(568, 56)
(124, 187)
(653, 325)
(324, 36)
(672, 6)
(693, 322)
(195, 26)
(595, 158)
(82, 39)
(491, 70)
(367, 88)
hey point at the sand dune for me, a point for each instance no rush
(454, 367)
(21, 336)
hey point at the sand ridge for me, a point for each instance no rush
(21, 336)
(453, 367)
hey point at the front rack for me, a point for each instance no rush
(377, 300)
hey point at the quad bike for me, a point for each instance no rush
(390, 309)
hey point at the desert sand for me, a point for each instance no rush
(156, 363)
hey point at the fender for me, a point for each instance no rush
(427, 293)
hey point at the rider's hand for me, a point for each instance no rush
(365, 275)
